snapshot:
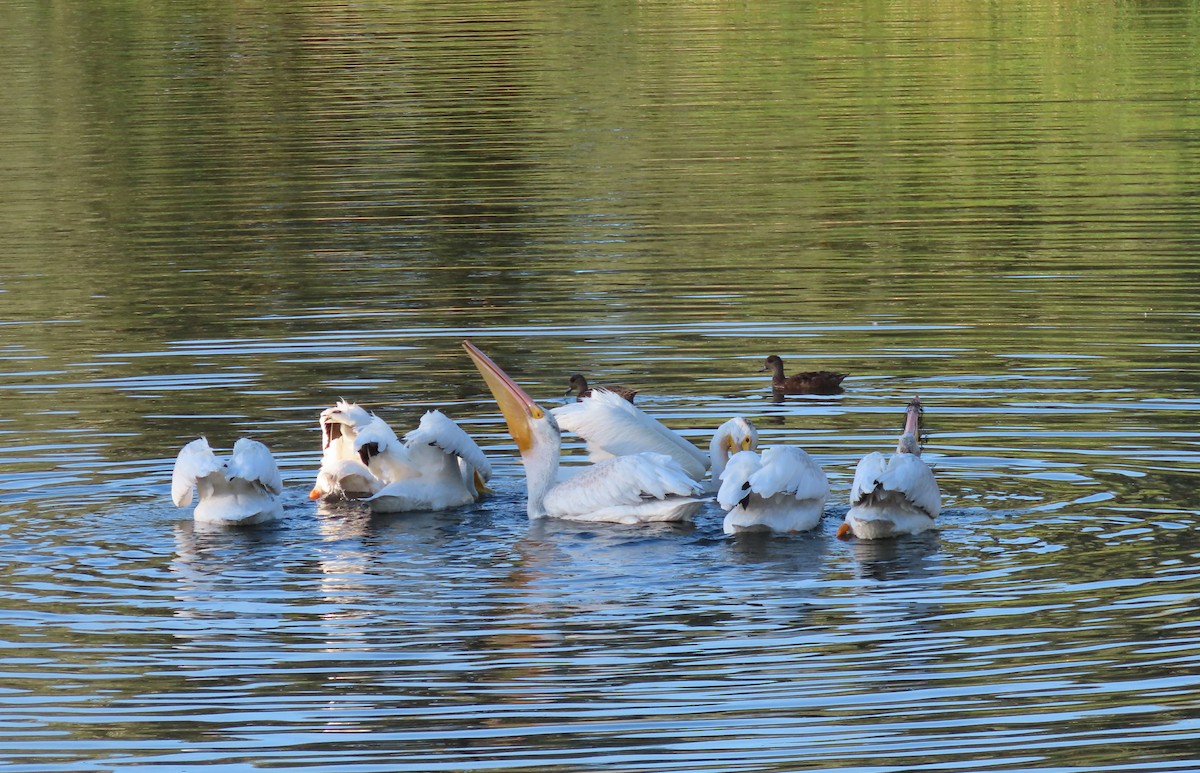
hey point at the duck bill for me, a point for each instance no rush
(518, 408)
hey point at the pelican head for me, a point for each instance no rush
(735, 435)
(535, 430)
(343, 414)
(910, 441)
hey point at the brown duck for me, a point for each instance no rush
(813, 382)
(579, 385)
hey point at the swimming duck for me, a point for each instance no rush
(244, 490)
(634, 489)
(890, 497)
(437, 466)
(579, 386)
(812, 382)
(782, 490)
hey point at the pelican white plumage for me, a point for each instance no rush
(437, 466)
(452, 469)
(637, 488)
(612, 426)
(241, 491)
(895, 496)
(357, 453)
(782, 490)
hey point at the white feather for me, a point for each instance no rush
(789, 470)
(346, 478)
(423, 472)
(735, 478)
(627, 489)
(612, 426)
(194, 462)
(439, 430)
(782, 490)
(892, 496)
(252, 461)
(244, 490)
(376, 431)
(866, 475)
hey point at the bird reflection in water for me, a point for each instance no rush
(895, 558)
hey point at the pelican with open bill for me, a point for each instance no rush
(639, 488)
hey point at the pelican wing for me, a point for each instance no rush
(614, 427)
(438, 429)
(866, 476)
(376, 431)
(911, 476)
(195, 461)
(735, 478)
(786, 469)
(625, 480)
(252, 461)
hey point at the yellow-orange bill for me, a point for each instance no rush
(517, 407)
(481, 486)
(843, 530)
(315, 494)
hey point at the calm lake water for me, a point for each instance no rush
(218, 218)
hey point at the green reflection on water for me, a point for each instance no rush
(1017, 181)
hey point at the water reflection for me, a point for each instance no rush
(219, 218)
(795, 555)
(908, 557)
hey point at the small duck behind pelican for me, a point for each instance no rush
(783, 490)
(635, 489)
(891, 497)
(242, 491)
(579, 386)
(812, 382)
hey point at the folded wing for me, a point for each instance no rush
(625, 480)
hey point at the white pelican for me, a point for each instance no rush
(357, 453)
(243, 490)
(451, 469)
(783, 490)
(437, 466)
(639, 488)
(894, 496)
